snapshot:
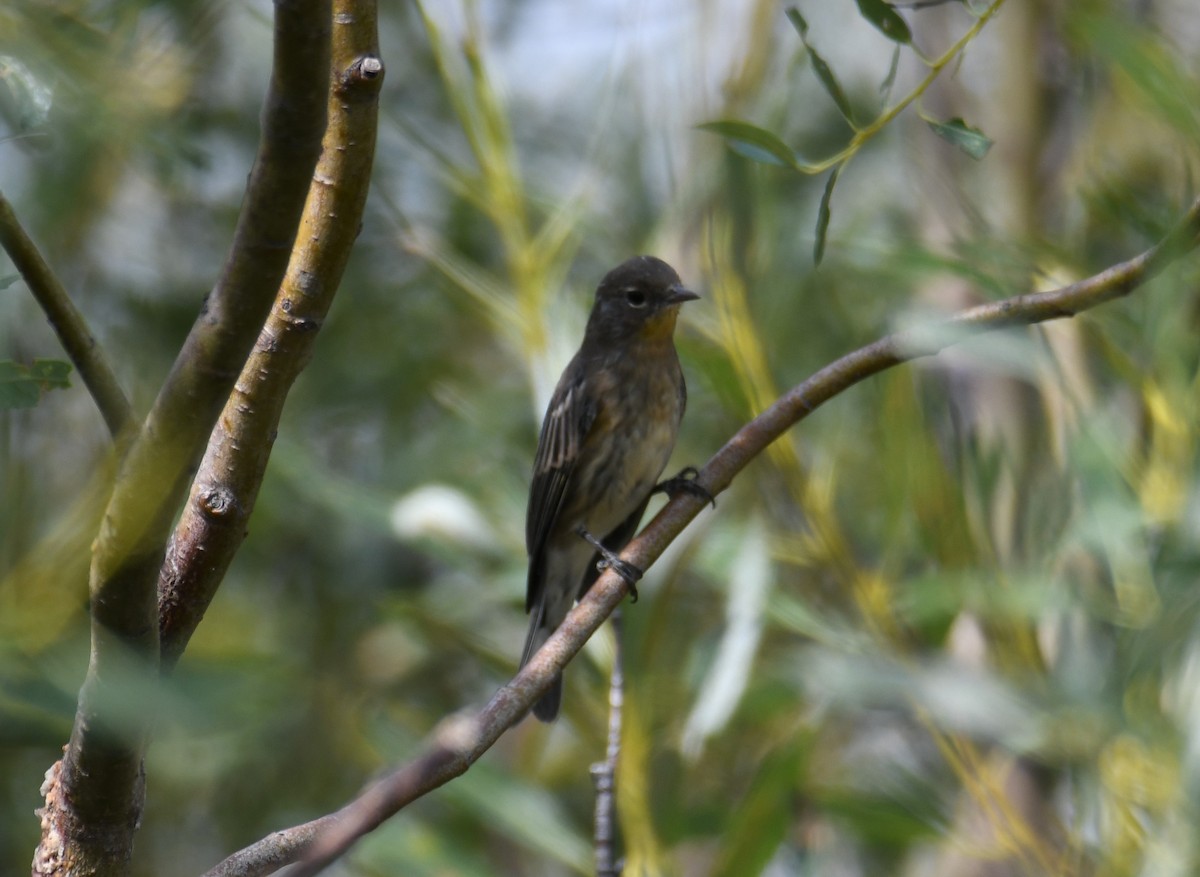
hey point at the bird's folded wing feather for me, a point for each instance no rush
(568, 420)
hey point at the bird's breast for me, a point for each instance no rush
(629, 445)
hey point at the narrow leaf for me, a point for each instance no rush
(798, 23)
(886, 19)
(8, 280)
(824, 73)
(753, 142)
(970, 140)
(832, 87)
(885, 88)
(823, 216)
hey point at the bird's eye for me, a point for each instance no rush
(636, 298)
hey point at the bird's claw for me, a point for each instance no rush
(626, 570)
(609, 560)
(685, 482)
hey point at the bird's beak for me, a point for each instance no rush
(678, 295)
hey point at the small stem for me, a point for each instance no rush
(936, 67)
(67, 322)
(604, 773)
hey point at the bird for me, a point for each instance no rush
(608, 432)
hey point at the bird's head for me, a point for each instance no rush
(638, 300)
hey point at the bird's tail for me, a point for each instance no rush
(540, 628)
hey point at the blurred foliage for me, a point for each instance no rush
(21, 386)
(950, 622)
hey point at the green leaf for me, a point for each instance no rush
(8, 280)
(798, 23)
(970, 140)
(16, 389)
(832, 87)
(824, 72)
(22, 386)
(51, 374)
(885, 88)
(753, 142)
(886, 19)
(823, 215)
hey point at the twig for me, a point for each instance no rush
(274, 851)
(936, 66)
(213, 523)
(604, 773)
(458, 742)
(68, 323)
(94, 805)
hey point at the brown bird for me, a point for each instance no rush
(608, 432)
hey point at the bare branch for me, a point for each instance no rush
(604, 773)
(68, 323)
(458, 742)
(226, 486)
(89, 823)
(274, 851)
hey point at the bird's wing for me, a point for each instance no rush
(568, 419)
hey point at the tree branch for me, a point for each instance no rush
(68, 323)
(459, 741)
(226, 486)
(604, 773)
(94, 800)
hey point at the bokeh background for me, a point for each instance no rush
(949, 625)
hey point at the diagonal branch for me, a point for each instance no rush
(94, 795)
(459, 741)
(226, 486)
(66, 320)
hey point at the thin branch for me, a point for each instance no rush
(226, 486)
(88, 824)
(68, 323)
(275, 851)
(459, 741)
(604, 773)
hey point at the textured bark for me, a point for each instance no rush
(94, 799)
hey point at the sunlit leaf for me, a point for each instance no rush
(732, 665)
(970, 140)
(886, 19)
(753, 142)
(29, 96)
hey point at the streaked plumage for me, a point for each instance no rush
(608, 433)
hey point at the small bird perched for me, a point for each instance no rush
(608, 432)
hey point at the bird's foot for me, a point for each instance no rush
(609, 560)
(685, 482)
